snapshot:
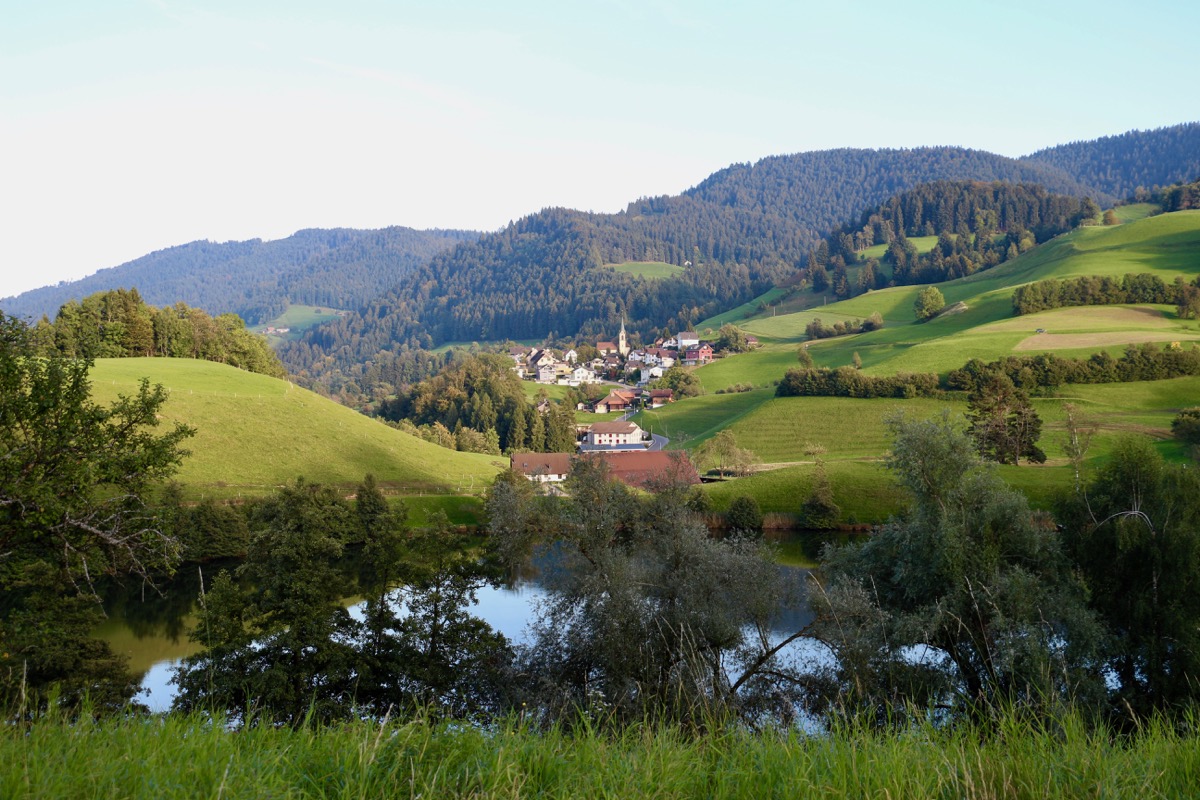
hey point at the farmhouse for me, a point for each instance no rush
(613, 435)
(688, 339)
(542, 467)
(660, 397)
(640, 468)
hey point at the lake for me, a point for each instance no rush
(151, 628)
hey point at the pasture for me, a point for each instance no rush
(255, 433)
(652, 270)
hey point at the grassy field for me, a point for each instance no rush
(255, 433)
(297, 319)
(196, 757)
(648, 269)
(1166, 244)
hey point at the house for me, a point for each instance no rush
(660, 397)
(615, 401)
(581, 375)
(570, 356)
(542, 467)
(611, 435)
(698, 356)
(547, 371)
(688, 339)
(751, 341)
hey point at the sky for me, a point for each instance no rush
(127, 126)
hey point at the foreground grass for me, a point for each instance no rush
(185, 757)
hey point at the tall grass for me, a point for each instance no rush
(191, 757)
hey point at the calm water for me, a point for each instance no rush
(152, 629)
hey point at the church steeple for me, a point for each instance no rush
(622, 341)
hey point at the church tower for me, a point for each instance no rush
(622, 341)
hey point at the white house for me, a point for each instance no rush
(612, 435)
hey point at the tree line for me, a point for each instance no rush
(478, 404)
(1144, 362)
(118, 324)
(1100, 290)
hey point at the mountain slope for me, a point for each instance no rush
(739, 232)
(255, 433)
(257, 280)
(1119, 165)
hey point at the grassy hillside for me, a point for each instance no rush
(1167, 245)
(780, 430)
(255, 433)
(297, 319)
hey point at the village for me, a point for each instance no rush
(633, 455)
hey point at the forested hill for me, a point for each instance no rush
(1120, 165)
(738, 233)
(341, 268)
(821, 190)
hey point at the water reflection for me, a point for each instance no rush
(151, 626)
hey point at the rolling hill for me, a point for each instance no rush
(784, 431)
(255, 433)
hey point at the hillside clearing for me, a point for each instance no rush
(653, 270)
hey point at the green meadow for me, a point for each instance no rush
(255, 433)
(654, 270)
(851, 432)
(297, 319)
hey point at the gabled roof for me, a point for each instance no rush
(644, 468)
(620, 426)
(541, 463)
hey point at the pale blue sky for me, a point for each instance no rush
(135, 125)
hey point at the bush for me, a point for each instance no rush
(744, 515)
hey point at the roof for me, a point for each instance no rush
(541, 463)
(606, 346)
(640, 468)
(662, 393)
(613, 427)
(645, 468)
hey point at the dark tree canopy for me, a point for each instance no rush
(969, 578)
(1135, 533)
(1003, 422)
(73, 477)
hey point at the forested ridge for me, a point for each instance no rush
(256, 279)
(978, 225)
(741, 231)
(1121, 165)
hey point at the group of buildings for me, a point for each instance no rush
(614, 361)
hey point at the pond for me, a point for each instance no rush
(151, 627)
